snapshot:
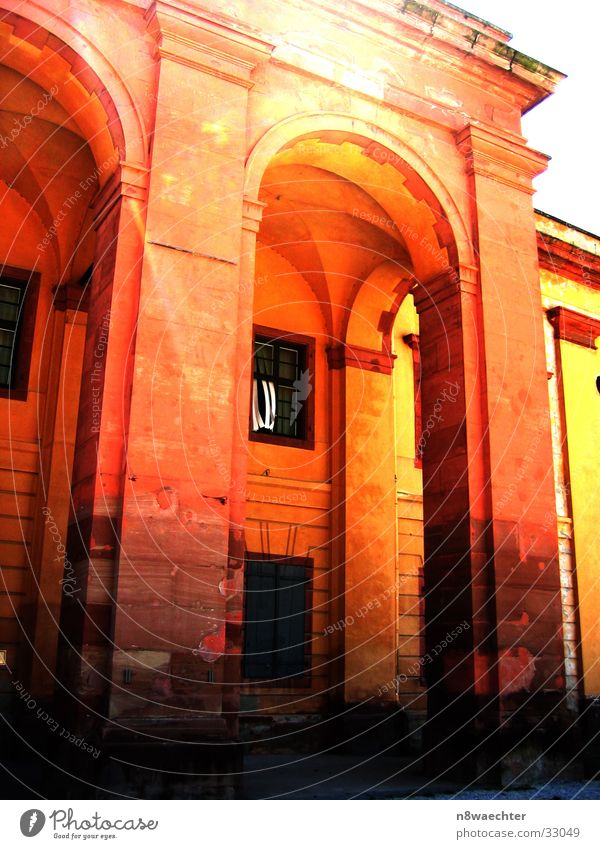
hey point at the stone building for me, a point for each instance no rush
(299, 390)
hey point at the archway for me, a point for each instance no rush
(363, 230)
(62, 170)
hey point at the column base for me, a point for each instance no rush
(518, 755)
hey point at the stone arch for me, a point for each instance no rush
(34, 38)
(381, 295)
(421, 179)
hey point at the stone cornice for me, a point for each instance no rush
(570, 326)
(500, 156)
(566, 260)
(197, 38)
(480, 40)
(515, 77)
(528, 80)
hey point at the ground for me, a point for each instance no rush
(349, 777)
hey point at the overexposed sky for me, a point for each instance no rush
(566, 126)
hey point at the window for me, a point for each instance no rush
(282, 389)
(11, 302)
(276, 620)
(18, 300)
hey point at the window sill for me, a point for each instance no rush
(286, 441)
(14, 394)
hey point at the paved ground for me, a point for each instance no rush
(281, 776)
(348, 777)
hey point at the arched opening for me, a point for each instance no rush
(351, 237)
(61, 144)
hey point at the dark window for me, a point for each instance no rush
(276, 622)
(282, 388)
(278, 370)
(11, 304)
(19, 290)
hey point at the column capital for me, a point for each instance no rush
(500, 156)
(221, 48)
(354, 356)
(252, 213)
(71, 296)
(451, 282)
(129, 180)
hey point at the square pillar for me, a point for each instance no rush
(177, 619)
(102, 425)
(369, 537)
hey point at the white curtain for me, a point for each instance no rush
(264, 405)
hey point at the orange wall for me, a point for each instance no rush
(21, 426)
(289, 509)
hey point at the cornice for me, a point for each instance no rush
(528, 80)
(433, 27)
(570, 326)
(568, 260)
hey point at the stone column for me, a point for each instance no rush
(178, 613)
(370, 534)
(489, 484)
(51, 581)
(234, 581)
(458, 584)
(102, 426)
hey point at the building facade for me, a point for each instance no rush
(299, 390)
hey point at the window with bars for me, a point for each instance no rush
(282, 388)
(276, 623)
(19, 289)
(11, 305)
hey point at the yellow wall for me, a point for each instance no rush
(578, 368)
(581, 366)
(411, 623)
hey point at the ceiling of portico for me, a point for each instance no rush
(46, 160)
(337, 215)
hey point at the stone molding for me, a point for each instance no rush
(570, 326)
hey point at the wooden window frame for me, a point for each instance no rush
(307, 442)
(303, 679)
(29, 282)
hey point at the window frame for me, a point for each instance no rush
(303, 679)
(307, 441)
(29, 283)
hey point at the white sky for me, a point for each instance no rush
(566, 126)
